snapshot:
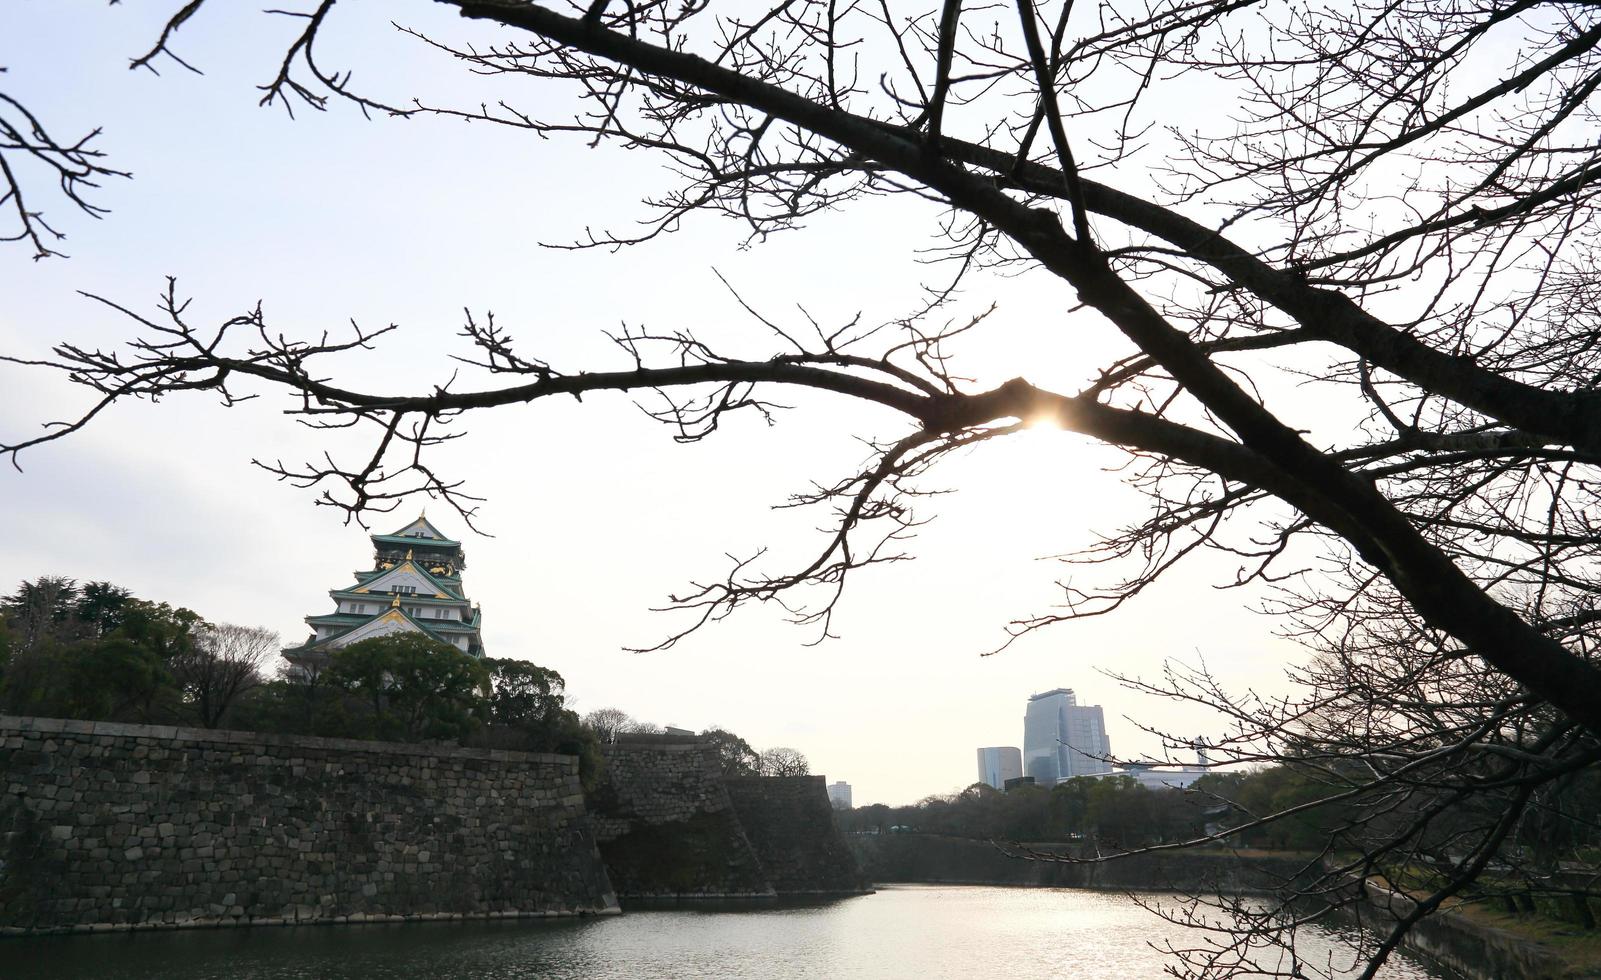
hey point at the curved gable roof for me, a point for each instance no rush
(407, 572)
(391, 620)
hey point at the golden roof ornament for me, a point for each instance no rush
(396, 603)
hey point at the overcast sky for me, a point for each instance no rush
(596, 515)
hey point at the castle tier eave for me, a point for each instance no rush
(338, 619)
(365, 575)
(449, 592)
(406, 542)
(416, 597)
(422, 627)
(352, 620)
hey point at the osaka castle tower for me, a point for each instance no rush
(414, 586)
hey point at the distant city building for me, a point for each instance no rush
(998, 763)
(1020, 781)
(1154, 777)
(1063, 739)
(414, 587)
(839, 794)
(1164, 775)
(1088, 746)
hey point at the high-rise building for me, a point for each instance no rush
(1063, 739)
(839, 794)
(1088, 747)
(414, 586)
(998, 763)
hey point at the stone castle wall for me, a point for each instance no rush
(654, 779)
(790, 821)
(110, 826)
(671, 826)
(666, 825)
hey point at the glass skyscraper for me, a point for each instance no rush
(998, 763)
(1063, 739)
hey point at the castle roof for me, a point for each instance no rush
(419, 532)
(407, 570)
(390, 615)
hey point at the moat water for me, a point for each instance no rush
(921, 932)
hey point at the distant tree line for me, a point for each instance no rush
(734, 755)
(1301, 806)
(1108, 812)
(1115, 813)
(96, 652)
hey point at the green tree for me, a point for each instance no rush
(40, 609)
(1116, 812)
(1023, 814)
(167, 631)
(1278, 789)
(112, 679)
(734, 755)
(874, 819)
(118, 678)
(94, 653)
(164, 635)
(1069, 809)
(527, 706)
(101, 606)
(524, 694)
(417, 687)
(283, 706)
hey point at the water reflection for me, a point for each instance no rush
(924, 932)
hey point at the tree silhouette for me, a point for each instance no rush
(1398, 218)
(782, 761)
(224, 662)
